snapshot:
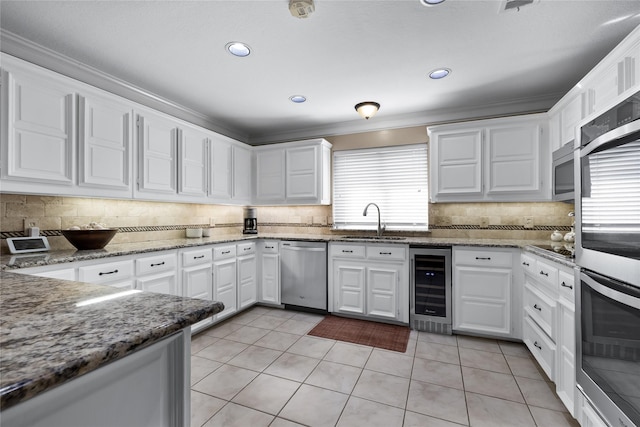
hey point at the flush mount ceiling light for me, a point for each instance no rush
(431, 2)
(301, 8)
(439, 73)
(238, 49)
(298, 99)
(367, 109)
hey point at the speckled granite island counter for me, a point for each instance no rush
(65, 344)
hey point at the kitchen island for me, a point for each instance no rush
(73, 353)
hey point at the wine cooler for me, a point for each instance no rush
(430, 305)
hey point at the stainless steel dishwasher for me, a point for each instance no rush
(303, 274)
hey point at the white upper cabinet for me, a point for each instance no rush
(293, 173)
(192, 162)
(104, 144)
(38, 128)
(490, 160)
(221, 168)
(157, 153)
(242, 174)
(570, 116)
(270, 166)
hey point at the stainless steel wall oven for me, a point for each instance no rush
(608, 254)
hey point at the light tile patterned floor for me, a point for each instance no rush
(260, 369)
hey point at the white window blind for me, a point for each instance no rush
(394, 178)
(611, 190)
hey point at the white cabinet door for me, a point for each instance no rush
(38, 128)
(349, 282)
(157, 153)
(197, 282)
(456, 163)
(242, 174)
(165, 283)
(270, 172)
(513, 157)
(104, 144)
(192, 162)
(247, 281)
(482, 300)
(382, 291)
(221, 169)
(225, 286)
(270, 278)
(565, 352)
(570, 116)
(302, 173)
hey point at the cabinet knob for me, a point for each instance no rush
(566, 286)
(525, 263)
(544, 274)
(107, 272)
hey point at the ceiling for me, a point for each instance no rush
(344, 53)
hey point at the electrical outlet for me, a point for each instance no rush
(30, 223)
(528, 222)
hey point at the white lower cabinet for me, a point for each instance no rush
(119, 274)
(369, 281)
(224, 279)
(486, 293)
(158, 273)
(196, 274)
(549, 317)
(247, 275)
(269, 255)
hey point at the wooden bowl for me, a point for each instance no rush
(90, 239)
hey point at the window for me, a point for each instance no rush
(394, 178)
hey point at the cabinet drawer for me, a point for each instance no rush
(197, 256)
(540, 346)
(109, 272)
(156, 264)
(270, 247)
(224, 252)
(540, 308)
(246, 248)
(528, 264)
(348, 251)
(547, 274)
(482, 258)
(566, 285)
(387, 252)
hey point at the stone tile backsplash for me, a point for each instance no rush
(143, 221)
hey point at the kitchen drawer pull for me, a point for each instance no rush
(566, 286)
(538, 346)
(268, 247)
(536, 307)
(246, 249)
(226, 252)
(157, 264)
(525, 263)
(107, 272)
(198, 257)
(544, 274)
(385, 253)
(488, 258)
(346, 251)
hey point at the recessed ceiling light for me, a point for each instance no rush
(431, 2)
(238, 49)
(298, 99)
(439, 73)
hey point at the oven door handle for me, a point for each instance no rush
(621, 297)
(612, 135)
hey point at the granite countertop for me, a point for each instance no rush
(46, 339)
(8, 262)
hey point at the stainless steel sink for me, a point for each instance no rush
(375, 237)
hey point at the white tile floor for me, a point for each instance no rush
(260, 369)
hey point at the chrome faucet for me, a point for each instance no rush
(380, 227)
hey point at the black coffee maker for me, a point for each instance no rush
(250, 221)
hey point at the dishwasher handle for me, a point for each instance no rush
(302, 248)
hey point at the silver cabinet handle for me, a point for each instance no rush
(538, 346)
(107, 272)
(484, 258)
(544, 274)
(536, 307)
(157, 264)
(566, 286)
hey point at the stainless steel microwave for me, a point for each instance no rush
(562, 174)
